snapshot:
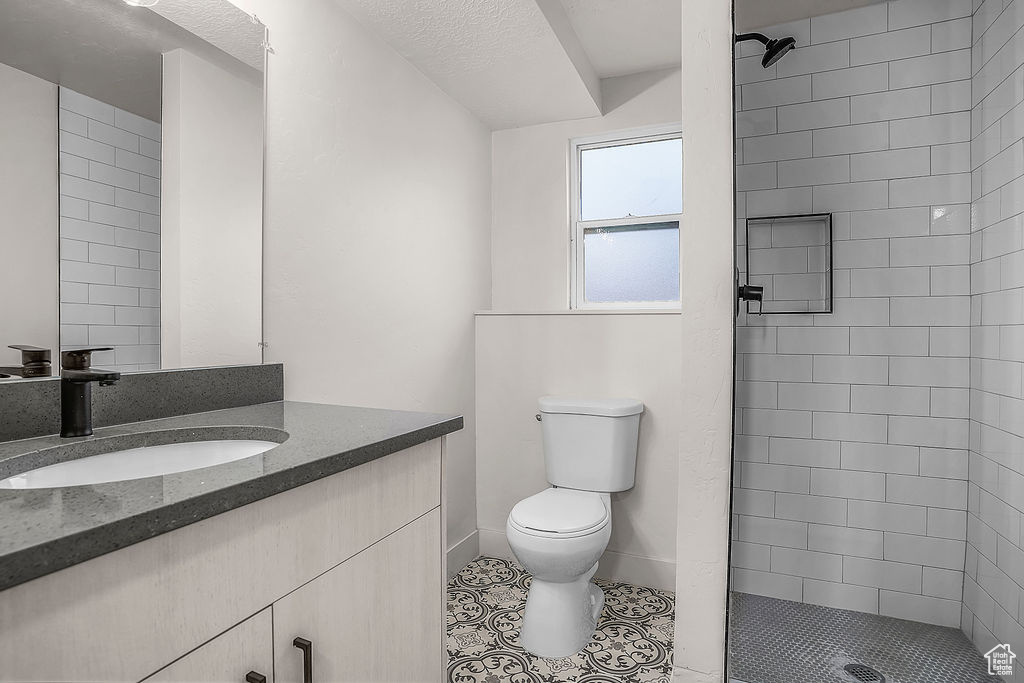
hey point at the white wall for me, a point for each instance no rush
(28, 228)
(530, 228)
(707, 293)
(377, 232)
(109, 232)
(522, 357)
(852, 426)
(994, 583)
(212, 215)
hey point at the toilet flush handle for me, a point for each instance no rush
(538, 417)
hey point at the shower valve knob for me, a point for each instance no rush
(751, 293)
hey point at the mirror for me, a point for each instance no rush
(131, 181)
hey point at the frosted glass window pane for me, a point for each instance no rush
(635, 263)
(644, 179)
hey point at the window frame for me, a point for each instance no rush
(577, 226)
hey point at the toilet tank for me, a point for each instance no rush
(590, 443)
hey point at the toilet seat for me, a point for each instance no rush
(562, 513)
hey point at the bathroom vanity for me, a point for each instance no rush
(318, 560)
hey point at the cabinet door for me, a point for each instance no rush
(376, 617)
(228, 657)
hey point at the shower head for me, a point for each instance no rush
(774, 48)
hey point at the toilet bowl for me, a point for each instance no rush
(558, 535)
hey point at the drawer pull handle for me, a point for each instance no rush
(307, 658)
(254, 677)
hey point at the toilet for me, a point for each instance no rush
(559, 534)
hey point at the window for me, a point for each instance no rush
(626, 203)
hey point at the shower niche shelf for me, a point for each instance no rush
(791, 257)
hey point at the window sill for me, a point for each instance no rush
(589, 311)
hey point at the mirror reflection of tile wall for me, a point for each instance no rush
(109, 232)
(790, 257)
(109, 111)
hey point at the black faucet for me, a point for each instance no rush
(35, 362)
(76, 378)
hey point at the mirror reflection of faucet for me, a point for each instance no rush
(35, 362)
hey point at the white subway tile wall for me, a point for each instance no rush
(993, 608)
(110, 232)
(853, 428)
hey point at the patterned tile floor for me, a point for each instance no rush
(778, 641)
(632, 644)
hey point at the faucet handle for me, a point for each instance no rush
(31, 354)
(35, 361)
(80, 359)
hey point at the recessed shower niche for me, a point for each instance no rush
(791, 258)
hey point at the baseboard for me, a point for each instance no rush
(681, 674)
(640, 571)
(462, 553)
(494, 544)
(614, 566)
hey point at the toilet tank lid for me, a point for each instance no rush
(604, 407)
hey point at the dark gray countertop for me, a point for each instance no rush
(44, 530)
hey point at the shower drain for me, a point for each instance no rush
(863, 673)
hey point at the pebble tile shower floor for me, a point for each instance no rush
(778, 641)
(632, 644)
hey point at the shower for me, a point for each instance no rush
(835, 550)
(774, 48)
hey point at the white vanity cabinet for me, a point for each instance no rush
(374, 617)
(352, 562)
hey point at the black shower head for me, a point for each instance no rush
(774, 48)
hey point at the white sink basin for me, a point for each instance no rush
(137, 463)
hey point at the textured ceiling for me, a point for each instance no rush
(221, 24)
(628, 36)
(504, 60)
(754, 14)
(102, 48)
(519, 62)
